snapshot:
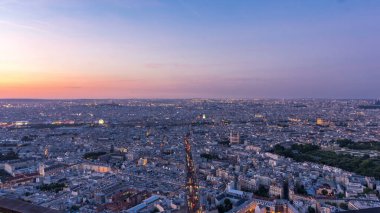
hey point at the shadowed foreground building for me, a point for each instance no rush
(370, 210)
(17, 206)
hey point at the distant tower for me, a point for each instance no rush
(234, 138)
(148, 132)
(320, 122)
(236, 180)
(285, 191)
(41, 169)
(46, 152)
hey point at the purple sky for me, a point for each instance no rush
(188, 49)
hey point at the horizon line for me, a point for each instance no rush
(214, 98)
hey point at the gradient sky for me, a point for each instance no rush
(189, 49)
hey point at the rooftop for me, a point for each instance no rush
(22, 206)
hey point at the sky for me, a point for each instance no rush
(189, 49)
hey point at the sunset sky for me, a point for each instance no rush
(189, 49)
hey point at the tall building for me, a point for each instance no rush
(46, 151)
(276, 191)
(321, 122)
(41, 169)
(234, 138)
(142, 162)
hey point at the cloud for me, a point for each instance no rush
(243, 79)
(21, 26)
(169, 65)
(73, 87)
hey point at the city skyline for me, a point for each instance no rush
(238, 156)
(181, 49)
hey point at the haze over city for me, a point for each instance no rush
(189, 49)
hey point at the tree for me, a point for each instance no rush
(361, 165)
(53, 187)
(367, 190)
(340, 195)
(221, 209)
(225, 207)
(343, 206)
(155, 210)
(227, 204)
(285, 188)
(311, 209)
(209, 200)
(93, 155)
(262, 191)
(28, 194)
(27, 138)
(300, 189)
(9, 156)
(324, 192)
(74, 208)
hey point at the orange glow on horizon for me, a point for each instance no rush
(52, 86)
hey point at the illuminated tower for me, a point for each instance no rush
(41, 169)
(193, 205)
(320, 122)
(46, 152)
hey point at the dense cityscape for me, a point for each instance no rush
(189, 155)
